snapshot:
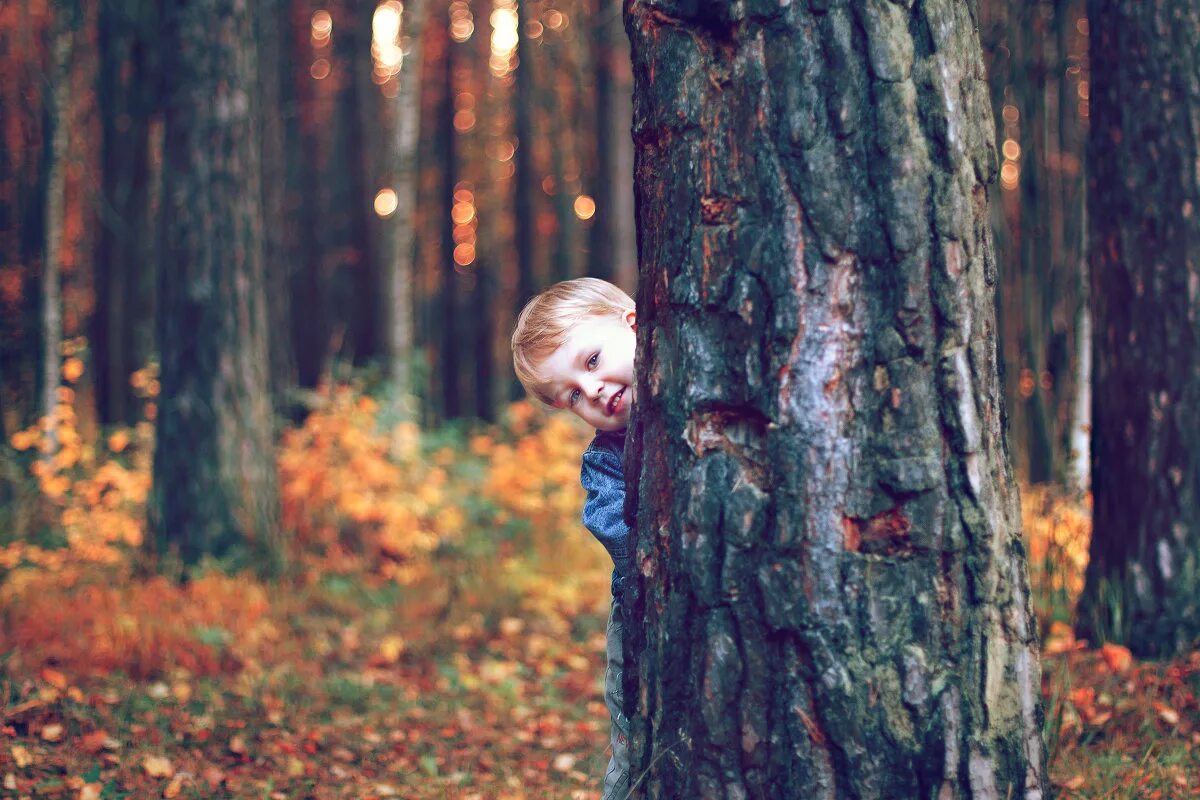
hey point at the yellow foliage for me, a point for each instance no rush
(1057, 534)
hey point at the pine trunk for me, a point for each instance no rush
(833, 598)
(214, 467)
(1143, 579)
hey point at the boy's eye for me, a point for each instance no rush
(573, 397)
(591, 364)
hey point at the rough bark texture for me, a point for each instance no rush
(1144, 212)
(214, 467)
(832, 598)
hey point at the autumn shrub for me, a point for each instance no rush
(474, 520)
(1057, 532)
(91, 624)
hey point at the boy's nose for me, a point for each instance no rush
(596, 389)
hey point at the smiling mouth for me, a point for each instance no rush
(614, 402)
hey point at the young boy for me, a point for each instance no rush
(573, 349)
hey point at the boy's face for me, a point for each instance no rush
(591, 373)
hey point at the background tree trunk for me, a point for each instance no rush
(833, 596)
(214, 467)
(275, 107)
(1144, 213)
(123, 323)
(523, 102)
(449, 379)
(61, 45)
(399, 265)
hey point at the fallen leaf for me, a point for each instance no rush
(1166, 713)
(10, 781)
(90, 791)
(390, 649)
(237, 746)
(1118, 658)
(22, 757)
(174, 787)
(1073, 783)
(564, 762)
(157, 767)
(93, 742)
(54, 678)
(52, 732)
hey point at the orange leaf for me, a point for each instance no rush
(52, 732)
(1118, 658)
(54, 678)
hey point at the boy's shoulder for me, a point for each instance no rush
(607, 442)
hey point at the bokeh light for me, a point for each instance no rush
(386, 202)
(585, 206)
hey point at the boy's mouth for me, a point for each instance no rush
(614, 402)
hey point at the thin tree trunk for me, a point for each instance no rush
(523, 102)
(612, 253)
(214, 467)
(122, 326)
(274, 70)
(832, 599)
(448, 324)
(1079, 468)
(400, 264)
(61, 45)
(1143, 576)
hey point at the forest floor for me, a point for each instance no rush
(440, 633)
(511, 712)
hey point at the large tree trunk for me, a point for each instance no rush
(122, 326)
(1144, 213)
(833, 598)
(214, 467)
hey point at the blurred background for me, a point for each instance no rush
(392, 161)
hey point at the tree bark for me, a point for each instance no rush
(1144, 216)
(62, 37)
(523, 103)
(449, 365)
(214, 468)
(611, 252)
(399, 245)
(274, 73)
(832, 597)
(123, 323)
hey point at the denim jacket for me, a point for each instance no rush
(603, 478)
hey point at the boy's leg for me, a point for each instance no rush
(616, 778)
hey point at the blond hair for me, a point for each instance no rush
(545, 321)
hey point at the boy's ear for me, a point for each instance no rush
(630, 318)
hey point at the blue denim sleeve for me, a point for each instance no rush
(603, 479)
